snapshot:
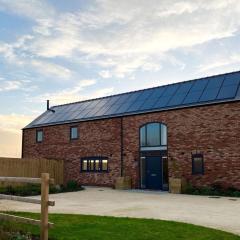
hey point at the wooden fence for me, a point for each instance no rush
(21, 167)
(45, 181)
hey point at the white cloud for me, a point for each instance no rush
(33, 9)
(219, 63)
(105, 74)
(67, 95)
(46, 68)
(133, 35)
(122, 36)
(10, 85)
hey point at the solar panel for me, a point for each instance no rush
(231, 79)
(144, 95)
(199, 85)
(135, 106)
(123, 108)
(149, 103)
(177, 99)
(209, 94)
(170, 90)
(110, 110)
(215, 82)
(210, 89)
(157, 92)
(112, 100)
(192, 97)
(184, 88)
(227, 92)
(238, 93)
(162, 102)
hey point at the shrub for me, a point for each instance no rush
(214, 190)
(35, 189)
(72, 185)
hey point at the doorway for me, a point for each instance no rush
(154, 172)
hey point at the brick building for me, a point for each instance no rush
(189, 129)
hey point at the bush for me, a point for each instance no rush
(72, 185)
(214, 190)
(35, 189)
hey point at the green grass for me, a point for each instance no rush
(98, 228)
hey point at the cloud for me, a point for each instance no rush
(17, 54)
(133, 35)
(47, 68)
(10, 85)
(13, 85)
(120, 37)
(67, 95)
(33, 9)
(105, 74)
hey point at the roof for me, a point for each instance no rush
(198, 92)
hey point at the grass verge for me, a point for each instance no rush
(74, 227)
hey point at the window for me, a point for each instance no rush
(39, 136)
(197, 164)
(94, 164)
(73, 133)
(153, 135)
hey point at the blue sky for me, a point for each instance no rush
(67, 51)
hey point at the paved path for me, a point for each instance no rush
(222, 213)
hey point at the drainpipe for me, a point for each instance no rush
(22, 156)
(121, 147)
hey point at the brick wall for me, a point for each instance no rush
(213, 130)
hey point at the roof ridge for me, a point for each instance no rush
(119, 94)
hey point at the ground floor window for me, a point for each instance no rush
(94, 164)
(197, 164)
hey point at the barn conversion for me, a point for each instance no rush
(188, 130)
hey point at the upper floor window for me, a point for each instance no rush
(153, 135)
(73, 133)
(94, 164)
(39, 136)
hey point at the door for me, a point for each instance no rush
(154, 172)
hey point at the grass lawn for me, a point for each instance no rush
(95, 227)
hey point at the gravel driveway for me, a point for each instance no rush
(221, 213)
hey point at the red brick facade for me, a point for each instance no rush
(213, 130)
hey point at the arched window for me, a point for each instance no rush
(153, 135)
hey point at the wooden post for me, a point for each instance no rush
(44, 206)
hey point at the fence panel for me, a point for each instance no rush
(24, 167)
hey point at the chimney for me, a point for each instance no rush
(48, 107)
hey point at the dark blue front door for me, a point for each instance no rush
(154, 172)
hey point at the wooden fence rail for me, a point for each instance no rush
(45, 181)
(31, 168)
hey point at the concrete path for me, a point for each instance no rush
(220, 213)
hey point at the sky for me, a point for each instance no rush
(72, 50)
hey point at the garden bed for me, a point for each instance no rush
(35, 189)
(214, 190)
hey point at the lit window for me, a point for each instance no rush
(84, 165)
(39, 136)
(104, 164)
(94, 164)
(197, 164)
(73, 133)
